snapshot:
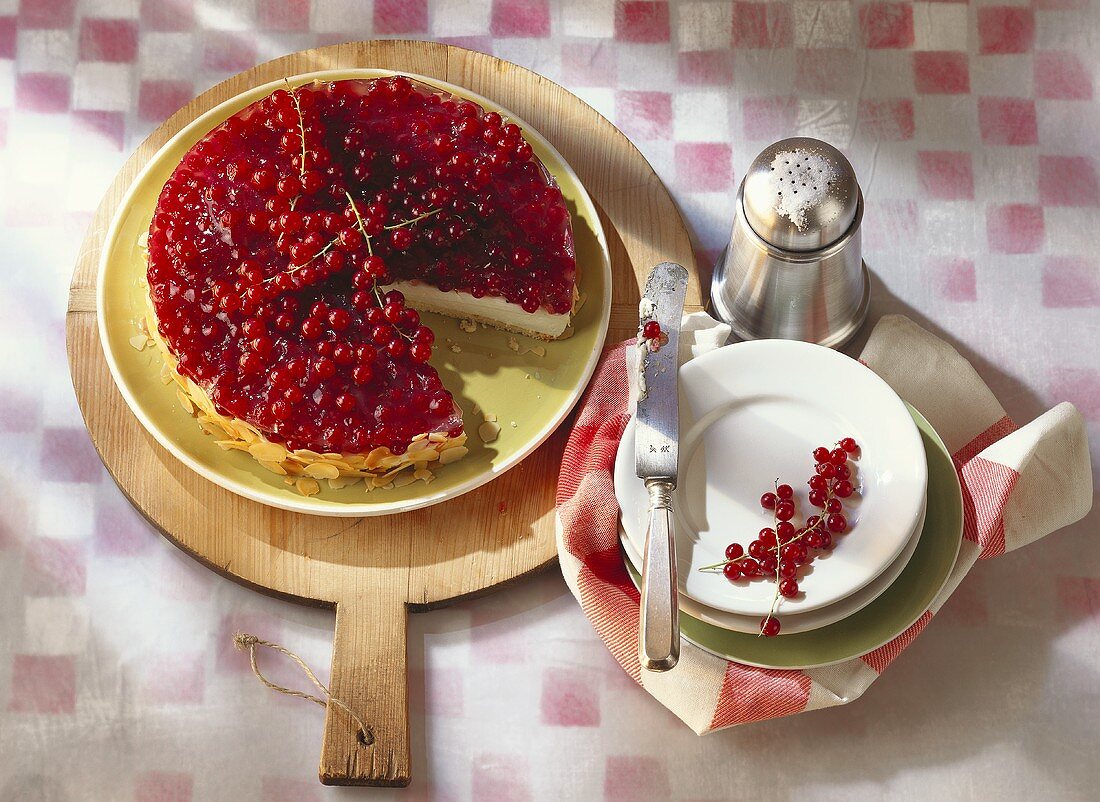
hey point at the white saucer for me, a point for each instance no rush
(755, 411)
(793, 621)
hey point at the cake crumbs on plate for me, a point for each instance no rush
(456, 349)
(467, 326)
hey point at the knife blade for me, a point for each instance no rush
(655, 461)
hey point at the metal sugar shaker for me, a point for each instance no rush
(793, 268)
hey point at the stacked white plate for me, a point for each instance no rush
(752, 413)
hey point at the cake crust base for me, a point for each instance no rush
(303, 468)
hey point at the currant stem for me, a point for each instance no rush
(778, 578)
(721, 565)
(416, 219)
(359, 220)
(295, 268)
(301, 125)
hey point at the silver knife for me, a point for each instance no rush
(655, 461)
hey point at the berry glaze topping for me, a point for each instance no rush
(273, 240)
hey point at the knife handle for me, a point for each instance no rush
(659, 642)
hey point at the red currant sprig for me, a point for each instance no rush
(781, 550)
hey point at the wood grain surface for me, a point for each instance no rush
(373, 570)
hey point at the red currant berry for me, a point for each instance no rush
(826, 470)
(732, 571)
(826, 541)
(397, 347)
(768, 501)
(280, 378)
(769, 627)
(788, 588)
(263, 179)
(784, 531)
(757, 549)
(344, 354)
(784, 492)
(837, 523)
(733, 551)
(821, 454)
(280, 410)
(817, 497)
(253, 327)
(787, 568)
(374, 266)
(312, 182)
(251, 362)
(818, 482)
(651, 330)
(833, 505)
(749, 566)
(838, 456)
(784, 510)
(849, 445)
(339, 319)
(843, 488)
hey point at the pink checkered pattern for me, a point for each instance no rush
(972, 128)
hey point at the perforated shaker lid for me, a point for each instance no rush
(801, 194)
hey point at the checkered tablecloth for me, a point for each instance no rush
(973, 129)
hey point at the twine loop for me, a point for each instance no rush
(245, 641)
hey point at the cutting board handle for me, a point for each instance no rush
(368, 675)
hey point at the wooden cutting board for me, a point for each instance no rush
(373, 570)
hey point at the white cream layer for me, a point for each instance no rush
(488, 309)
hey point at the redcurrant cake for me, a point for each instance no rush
(291, 253)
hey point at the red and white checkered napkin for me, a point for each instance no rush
(1019, 484)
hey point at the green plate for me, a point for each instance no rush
(529, 393)
(886, 617)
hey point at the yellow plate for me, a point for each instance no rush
(493, 372)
